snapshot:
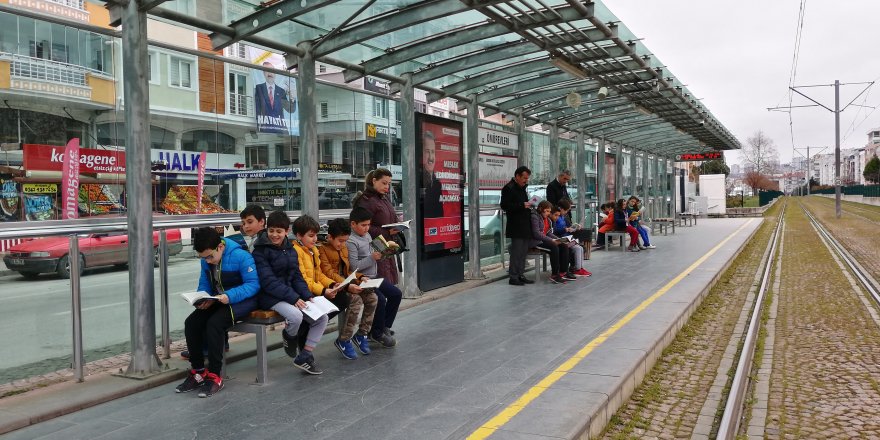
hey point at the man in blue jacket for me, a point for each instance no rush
(229, 275)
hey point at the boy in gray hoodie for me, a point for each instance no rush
(362, 258)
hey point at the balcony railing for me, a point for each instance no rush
(46, 70)
(242, 105)
(76, 4)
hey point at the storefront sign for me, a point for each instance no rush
(496, 171)
(499, 139)
(188, 161)
(324, 167)
(374, 131)
(201, 179)
(40, 188)
(51, 158)
(70, 180)
(694, 157)
(440, 104)
(375, 85)
(396, 170)
(262, 174)
(38, 207)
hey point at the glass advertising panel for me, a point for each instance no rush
(440, 185)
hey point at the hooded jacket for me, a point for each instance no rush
(310, 266)
(238, 279)
(278, 269)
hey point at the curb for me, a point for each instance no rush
(42, 404)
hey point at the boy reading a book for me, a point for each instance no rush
(335, 264)
(228, 273)
(364, 257)
(284, 290)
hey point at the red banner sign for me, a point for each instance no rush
(694, 157)
(51, 158)
(201, 185)
(70, 180)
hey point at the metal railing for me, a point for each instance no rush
(76, 4)
(74, 229)
(48, 70)
(242, 105)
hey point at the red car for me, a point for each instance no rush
(50, 254)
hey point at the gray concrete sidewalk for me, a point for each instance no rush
(459, 362)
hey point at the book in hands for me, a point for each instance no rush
(318, 307)
(372, 283)
(566, 239)
(401, 226)
(534, 200)
(197, 298)
(385, 247)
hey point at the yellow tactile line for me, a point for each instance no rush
(514, 408)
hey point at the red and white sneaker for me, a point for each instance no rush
(583, 272)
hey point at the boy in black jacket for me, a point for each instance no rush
(284, 290)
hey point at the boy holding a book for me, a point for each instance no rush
(284, 290)
(363, 256)
(335, 264)
(229, 275)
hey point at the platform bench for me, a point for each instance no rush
(621, 236)
(540, 257)
(663, 224)
(258, 322)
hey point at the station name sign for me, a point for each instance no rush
(695, 157)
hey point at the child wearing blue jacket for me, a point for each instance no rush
(229, 275)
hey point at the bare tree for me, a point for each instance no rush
(754, 180)
(760, 154)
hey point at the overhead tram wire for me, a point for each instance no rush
(799, 32)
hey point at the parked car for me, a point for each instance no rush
(50, 254)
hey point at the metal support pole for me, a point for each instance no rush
(136, 92)
(472, 147)
(581, 175)
(837, 148)
(308, 131)
(524, 150)
(633, 179)
(75, 307)
(554, 152)
(600, 173)
(808, 173)
(618, 172)
(163, 292)
(410, 173)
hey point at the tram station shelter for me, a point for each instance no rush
(293, 102)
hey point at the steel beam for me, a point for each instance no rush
(308, 131)
(539, 96)
(600, 171)
(136, 92)
(146, 5)
(473, 183)
(410, 174)
(581, 175)
(498, 74)
(524, 145)
(554, 150)
(264, 19)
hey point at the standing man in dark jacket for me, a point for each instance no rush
(558, 188)
(515, 203)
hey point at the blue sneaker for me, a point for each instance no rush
(362, 344)
(346, 348)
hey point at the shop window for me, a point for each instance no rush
(208, 140)
(180, 72)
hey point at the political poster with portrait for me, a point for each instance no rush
(274, 95)
(439, 155)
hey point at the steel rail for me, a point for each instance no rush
(731, 418)
(868, 282)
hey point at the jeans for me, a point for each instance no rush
(295, 317)
(389, 297)
(644, 233)
(207, 328)
(576, 257)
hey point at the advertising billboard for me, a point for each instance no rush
(275, 104)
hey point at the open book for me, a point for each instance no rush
(318, 307)
(195, 298)
(372, 283)
(402, 226)
(566, 239)
(385, 247)
(534, 201)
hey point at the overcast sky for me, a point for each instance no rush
(737, 55)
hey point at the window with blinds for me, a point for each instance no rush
(180, 74)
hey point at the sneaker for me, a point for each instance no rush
(346, 348)
(213, 385)
(650, 246)
(583, 272)
(556, 279)
(569, 276)
(633, 249)
(641, 248)
(194, 381)
(290, 345)
(184, 354)
(526, 280)
(384, 340)
(306, 361)
(362, 344)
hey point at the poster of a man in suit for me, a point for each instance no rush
(275, 102)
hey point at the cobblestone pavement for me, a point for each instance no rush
(827, 345)
(667, 405)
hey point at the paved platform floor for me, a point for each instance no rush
(550, 360)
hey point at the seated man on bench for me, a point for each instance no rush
(233, 286)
